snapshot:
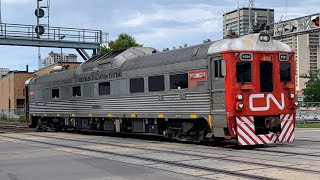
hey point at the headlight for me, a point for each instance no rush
(241, 105)
(264, 38)
(239, 97)
(291, 96)
(296, 104)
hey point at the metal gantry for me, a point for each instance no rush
(54, 37)
(301, 25)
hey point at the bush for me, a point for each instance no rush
(22, 118)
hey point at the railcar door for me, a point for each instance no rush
(217, 90)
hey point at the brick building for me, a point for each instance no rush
(12, 95)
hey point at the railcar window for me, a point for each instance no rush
(55, 93)
(218, 69)
(104, 88)
(156, 83)
(136, 85)
(76, 91)
(266, 77)
(179, 81)
(285, 72)
(244, 71)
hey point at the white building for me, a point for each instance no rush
(3, 71)
(54, 58)
(241, 20)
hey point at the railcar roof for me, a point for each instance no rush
(248, 42)
(168, 57)
(64, 75)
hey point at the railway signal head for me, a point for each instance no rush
(39, 30)
(39, 13)
(316, 21)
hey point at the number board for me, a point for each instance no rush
(246, 56)
(284, 57)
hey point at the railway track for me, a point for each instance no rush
(8, 128)
(182, 164)
(172, 152)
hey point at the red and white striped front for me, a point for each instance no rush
(246, 131)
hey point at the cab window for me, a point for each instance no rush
(285, 72)
(244, 71)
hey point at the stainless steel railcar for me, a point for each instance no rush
(215, 90)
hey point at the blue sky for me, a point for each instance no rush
(154, 23)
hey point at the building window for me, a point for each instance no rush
(55, 93)
(104, 88)
(179, 81)
(137, 85)
(20, 103)
(76, 91)
(156, 83)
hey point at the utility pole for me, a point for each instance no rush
(0, 12)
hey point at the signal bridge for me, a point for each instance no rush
(297, 26)
(54, 37)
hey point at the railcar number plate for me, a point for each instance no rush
(283, 57)
(246, 56)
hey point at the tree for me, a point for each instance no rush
(311, 92)
(123, 41)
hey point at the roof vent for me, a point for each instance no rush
(58, 69)
(166, 49)
(207, 40)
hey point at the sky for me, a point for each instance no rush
(153, 23)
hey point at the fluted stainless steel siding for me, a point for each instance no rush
(194, 103)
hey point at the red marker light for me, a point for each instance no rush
(316, 21)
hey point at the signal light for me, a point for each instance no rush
(39, 14)
(316, 21)
(39, 30)
(240, 106)
(291, 96)
(239, 97)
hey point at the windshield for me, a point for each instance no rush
(285, 72)
(243, 72)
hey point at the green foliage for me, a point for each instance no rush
(307, 125)
(123, 41)
(22, 118)
(311, 92)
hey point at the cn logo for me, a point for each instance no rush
(269, 98)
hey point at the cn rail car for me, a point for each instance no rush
(240, 88)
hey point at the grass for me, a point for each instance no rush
(316, 125)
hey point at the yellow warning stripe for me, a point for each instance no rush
(210, 121)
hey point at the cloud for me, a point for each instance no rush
(17, 1)
(185, 14)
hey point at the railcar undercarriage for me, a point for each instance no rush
(186, 130)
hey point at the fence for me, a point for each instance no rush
(308, 112)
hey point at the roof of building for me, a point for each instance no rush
(247, 8)
(14, 72)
